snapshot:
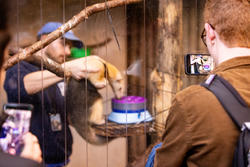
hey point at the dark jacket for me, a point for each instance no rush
(49, 102)
(199, 132)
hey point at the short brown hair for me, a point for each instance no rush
(231, 20)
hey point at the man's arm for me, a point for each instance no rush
(36, 81)
(78, 67)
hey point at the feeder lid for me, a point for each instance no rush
(130, 100)
(130, 118)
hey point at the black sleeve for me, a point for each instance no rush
(14, 85)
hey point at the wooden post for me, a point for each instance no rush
(166, 77)
(141, 45)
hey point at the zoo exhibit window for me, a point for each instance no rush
(203, 35)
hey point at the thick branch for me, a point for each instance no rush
(39, 59)
(49, 64)
(73, 22)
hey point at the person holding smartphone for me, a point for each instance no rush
(198, 131)
(31, 155)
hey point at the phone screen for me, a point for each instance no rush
(198, 64)
(16, 124)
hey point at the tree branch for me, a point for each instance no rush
(49, 64)
(73, 22)
(41, 59)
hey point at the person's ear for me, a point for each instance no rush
(210, 32)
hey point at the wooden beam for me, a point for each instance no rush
(166, 77)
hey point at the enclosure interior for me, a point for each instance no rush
(146, 42)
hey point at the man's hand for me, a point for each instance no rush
(81, 67)
(31, 148)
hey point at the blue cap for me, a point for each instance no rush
(52, 26)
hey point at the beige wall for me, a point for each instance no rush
(113, 154)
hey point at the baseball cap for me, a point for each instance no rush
(52, 26)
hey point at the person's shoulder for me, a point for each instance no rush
(192, 92)
(193, 97)
(23, 65)
(194, 103)
(27, 64)
(18, 65)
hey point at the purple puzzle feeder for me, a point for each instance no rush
(129, 109)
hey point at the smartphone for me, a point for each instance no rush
(198, 64)
(15, 126)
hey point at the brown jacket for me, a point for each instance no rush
(199, 133)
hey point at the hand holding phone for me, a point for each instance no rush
(15, 126)
(31, 149)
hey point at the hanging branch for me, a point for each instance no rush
(49, 64)
(37, 58)
(73, 22)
